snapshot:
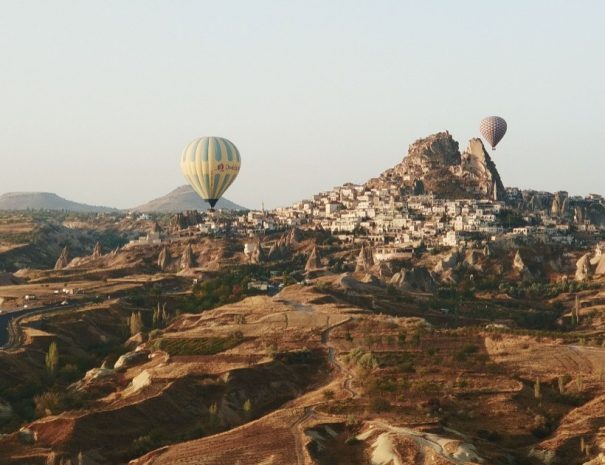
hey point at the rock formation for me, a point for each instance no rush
(365, 259)
(472, 259)
(415, 279)
(187, 259)
(314, 260)
(280, 248)
(63, 259)
(434, 164)
(599, 260)
(294, 236)
(447, 263)
(164, 259)
(186, 219)
(259, 255)
(520, 266)
(583, 268)
(382, 269)
(97, 251)
(156, 228)
(131, 359)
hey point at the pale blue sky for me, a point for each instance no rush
(97, 99)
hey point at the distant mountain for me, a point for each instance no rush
(181, 199)
(46, 201)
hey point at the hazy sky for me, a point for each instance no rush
(97, 99)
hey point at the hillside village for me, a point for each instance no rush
(398, 212)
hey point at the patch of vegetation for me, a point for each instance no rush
(362, 358)
(226, 288)
(467, 350)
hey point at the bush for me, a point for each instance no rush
(378, 404)
(48, 403)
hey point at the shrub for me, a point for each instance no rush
(378, 404)
(48, 403)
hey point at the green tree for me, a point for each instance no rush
(537, 390)
(579, 382)
(135, 323)
(52, 358)
(248, 408)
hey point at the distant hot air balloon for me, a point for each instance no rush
(210, 165)
(493, 129)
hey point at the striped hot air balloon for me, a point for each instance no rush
(493, 129)
(210, 165)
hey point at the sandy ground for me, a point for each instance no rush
(546, 359)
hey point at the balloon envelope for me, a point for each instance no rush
(210, 165)
(493, 129)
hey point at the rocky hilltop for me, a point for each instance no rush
(46, 201)
(181, 199)
(435, 165)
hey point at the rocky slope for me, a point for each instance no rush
(182, 199)
(435, 165)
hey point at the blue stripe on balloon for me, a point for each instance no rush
(217, 178)
(193, 149)
(205, 150)
(218, 153)
(225, 184)
(229, 152)
(207, 184)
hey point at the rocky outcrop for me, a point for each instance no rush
(294, 236)
(63, 259)
(584, 269)
(186, 219)
(164, 259)
(520, 267)
(599, 260)
(382, 269)
(560, 204)
(314, 260)
(96, 379)
(281, 248)
(134, 341)
(187, 259)
(97, 251)
(434, 164)
(156, 228)
(259, 255)
(365, 259)
(447, 263)
(131, 359)
(518, 263)
(415, 279)
(473, 259)
(478, 171)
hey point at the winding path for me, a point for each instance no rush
(10, 330)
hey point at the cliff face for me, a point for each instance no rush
(435, 165)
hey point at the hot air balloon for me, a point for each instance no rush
(493, 129)
(210, 165)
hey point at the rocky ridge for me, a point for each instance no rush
(435, 165)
